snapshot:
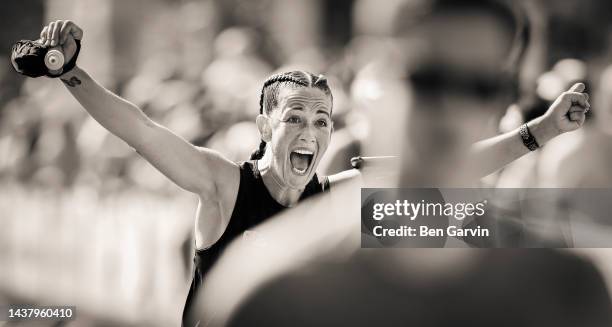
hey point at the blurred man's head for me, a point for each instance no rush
(457, 55)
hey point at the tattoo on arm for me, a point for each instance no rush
(72, 82)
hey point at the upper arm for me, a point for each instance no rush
(195, 169)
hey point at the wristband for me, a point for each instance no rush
(69, 65)
(528, 139)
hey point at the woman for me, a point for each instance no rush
(295, 126)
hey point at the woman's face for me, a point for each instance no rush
(300, 130)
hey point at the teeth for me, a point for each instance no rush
(302, 151)
(301, 172)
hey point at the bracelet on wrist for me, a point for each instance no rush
(528, 139)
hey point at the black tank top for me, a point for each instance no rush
(254, 204)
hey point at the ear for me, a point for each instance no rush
(263, 125)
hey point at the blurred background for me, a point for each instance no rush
(86, 221)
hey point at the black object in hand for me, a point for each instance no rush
(28, 58)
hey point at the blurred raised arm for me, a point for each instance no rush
(566, 114)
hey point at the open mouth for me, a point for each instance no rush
(301, 159)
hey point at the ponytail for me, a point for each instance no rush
(259, 153)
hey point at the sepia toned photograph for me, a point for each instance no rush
(306, 163)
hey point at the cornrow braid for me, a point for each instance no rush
(269, 93)
(278, 78)
(320, 81)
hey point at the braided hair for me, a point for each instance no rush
(268, 99)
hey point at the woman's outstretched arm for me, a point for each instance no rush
(195, 169)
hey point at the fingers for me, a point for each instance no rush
(49, 34)
(64, 31)
(576, 98)
(70, 29)
(578, 87)
(74, 30)
(43, 34)
(46, 34)
(55, 33)
(577, 116)
(578, 109)
(570, 108)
